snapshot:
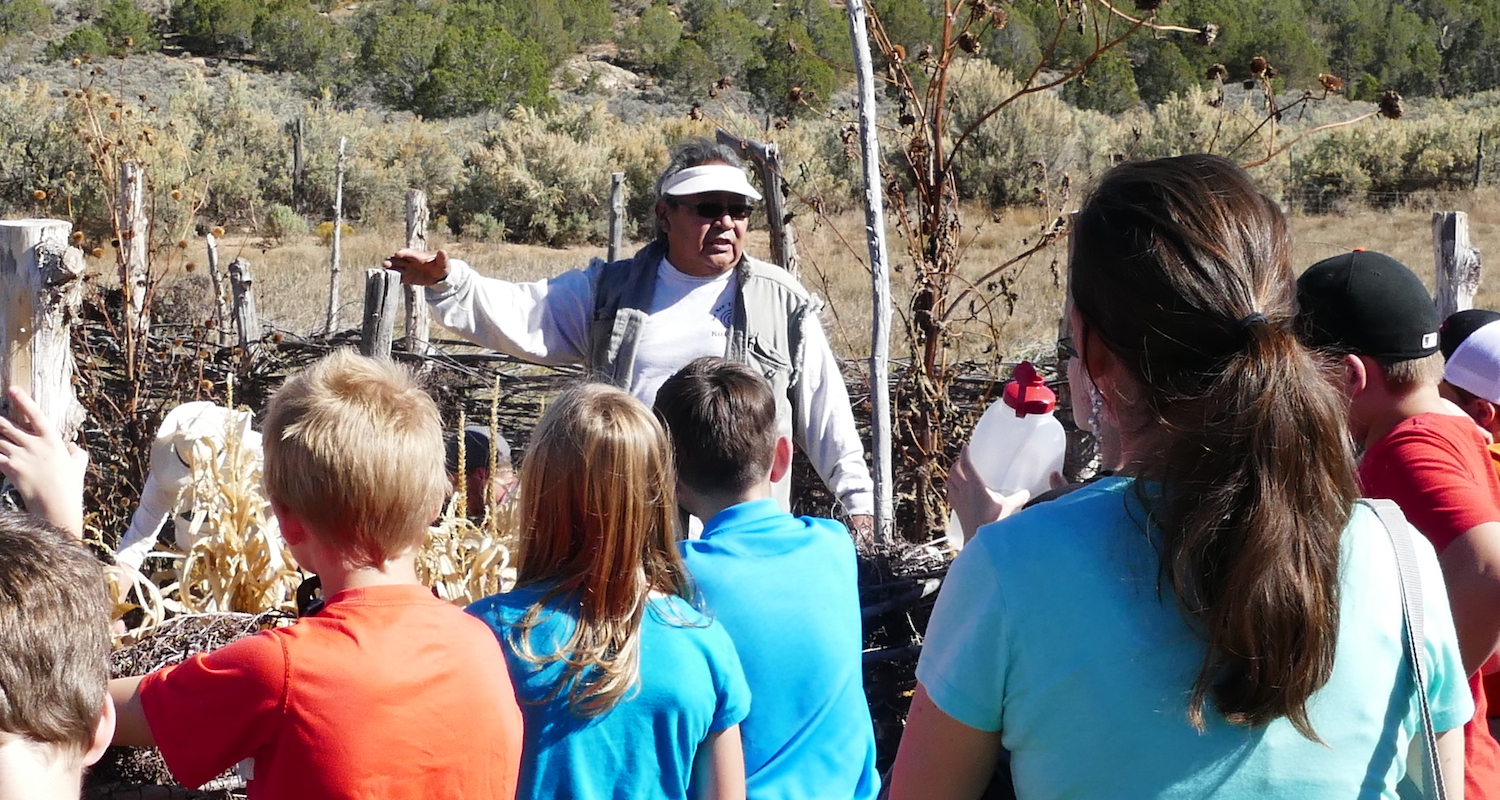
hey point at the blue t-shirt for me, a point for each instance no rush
(1050, 629)
(690, 685)
(786, 589)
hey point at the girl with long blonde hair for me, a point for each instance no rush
(627, 690)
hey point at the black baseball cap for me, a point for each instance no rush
(1367, 304)
(1457, 327)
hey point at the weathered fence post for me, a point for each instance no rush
(417, 328)
(338, 242)
(616, 215)
(1479, 160)
(221, 296)
(1457, 262)
(765, 158)
(382, 287)
(40, 288)
(297, 163)
(880, 341)
(246, 319)
(135, 239)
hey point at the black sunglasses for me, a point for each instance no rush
(716, 211)
(1065, 346)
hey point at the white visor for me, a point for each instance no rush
(709, 178)
(1475, 365)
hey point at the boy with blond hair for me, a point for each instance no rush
(386, 692)
(55, 717)
(784, 587)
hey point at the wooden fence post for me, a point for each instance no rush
(880, 389)
(246, 319)
(40, 288)
(135, 240)
(221, 293)
(1479, 160)
(338, 242)
(297, 163)
(417, 326)
(616, 215)
(1457, 262)
(382, 287)
(765, 158)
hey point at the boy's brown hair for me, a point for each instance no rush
(721, 416)
(54, 635)
(354, 446)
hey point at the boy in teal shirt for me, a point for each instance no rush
(784, 587)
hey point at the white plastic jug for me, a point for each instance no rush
(1017, 443)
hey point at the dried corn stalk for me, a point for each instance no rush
(237, 561)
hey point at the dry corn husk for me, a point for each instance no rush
(237, 561)
(465, 562)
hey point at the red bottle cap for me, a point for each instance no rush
(1027, 393)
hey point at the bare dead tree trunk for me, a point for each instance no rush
(338, 243)
(221, 294)
(382, 287)
(616, 215)
(1457, 262)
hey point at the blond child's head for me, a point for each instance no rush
(354, 449)
(54, 643)
(599, 512)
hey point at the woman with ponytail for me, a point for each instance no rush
(1221, 619)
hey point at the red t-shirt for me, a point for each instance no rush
(1437, 468)
(387, 693)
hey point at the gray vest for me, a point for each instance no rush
(770, 308)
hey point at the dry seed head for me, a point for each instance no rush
(1258, 66)
(97, 252)
(38, 195)
(969, 43)
(77, 237)
(1206, 35)
(1390, 105)
(1270, 72)
(177, 195)
(189, 266)
(999, 18)
(696, 112)
(69, 175)
(908, 118)
(925, 53)
(218, 231)
(1216, 72)
(66, 93)
(142, 95)
(205, 386)
(114, 115)
(795, 95)
(181, 244)
(77, 62)
(898, 53)
(130, 41)
(1331, 83)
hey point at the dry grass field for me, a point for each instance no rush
(292, 278)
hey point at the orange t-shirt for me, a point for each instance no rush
(387, 693)
(1435, 467)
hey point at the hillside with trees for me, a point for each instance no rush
(451, 58)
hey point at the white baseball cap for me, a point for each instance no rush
(709, 178)
(1475, 363)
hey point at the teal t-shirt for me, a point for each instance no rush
(787, 591)
(1050, 629)
(690, 685)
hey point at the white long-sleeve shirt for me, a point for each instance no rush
(548, 321)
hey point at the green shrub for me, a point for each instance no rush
(282, 223)
(794, 79)
(85, 40)
(213, 27)
(126, 26)
(651, 39)
(23, 16)
(486, 228)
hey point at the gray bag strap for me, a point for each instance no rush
(1410, 576)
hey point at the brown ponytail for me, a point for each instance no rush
(1182, 269)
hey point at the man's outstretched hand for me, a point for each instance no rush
(419, 268)
(47, 471)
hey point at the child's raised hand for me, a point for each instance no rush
(47, 471)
